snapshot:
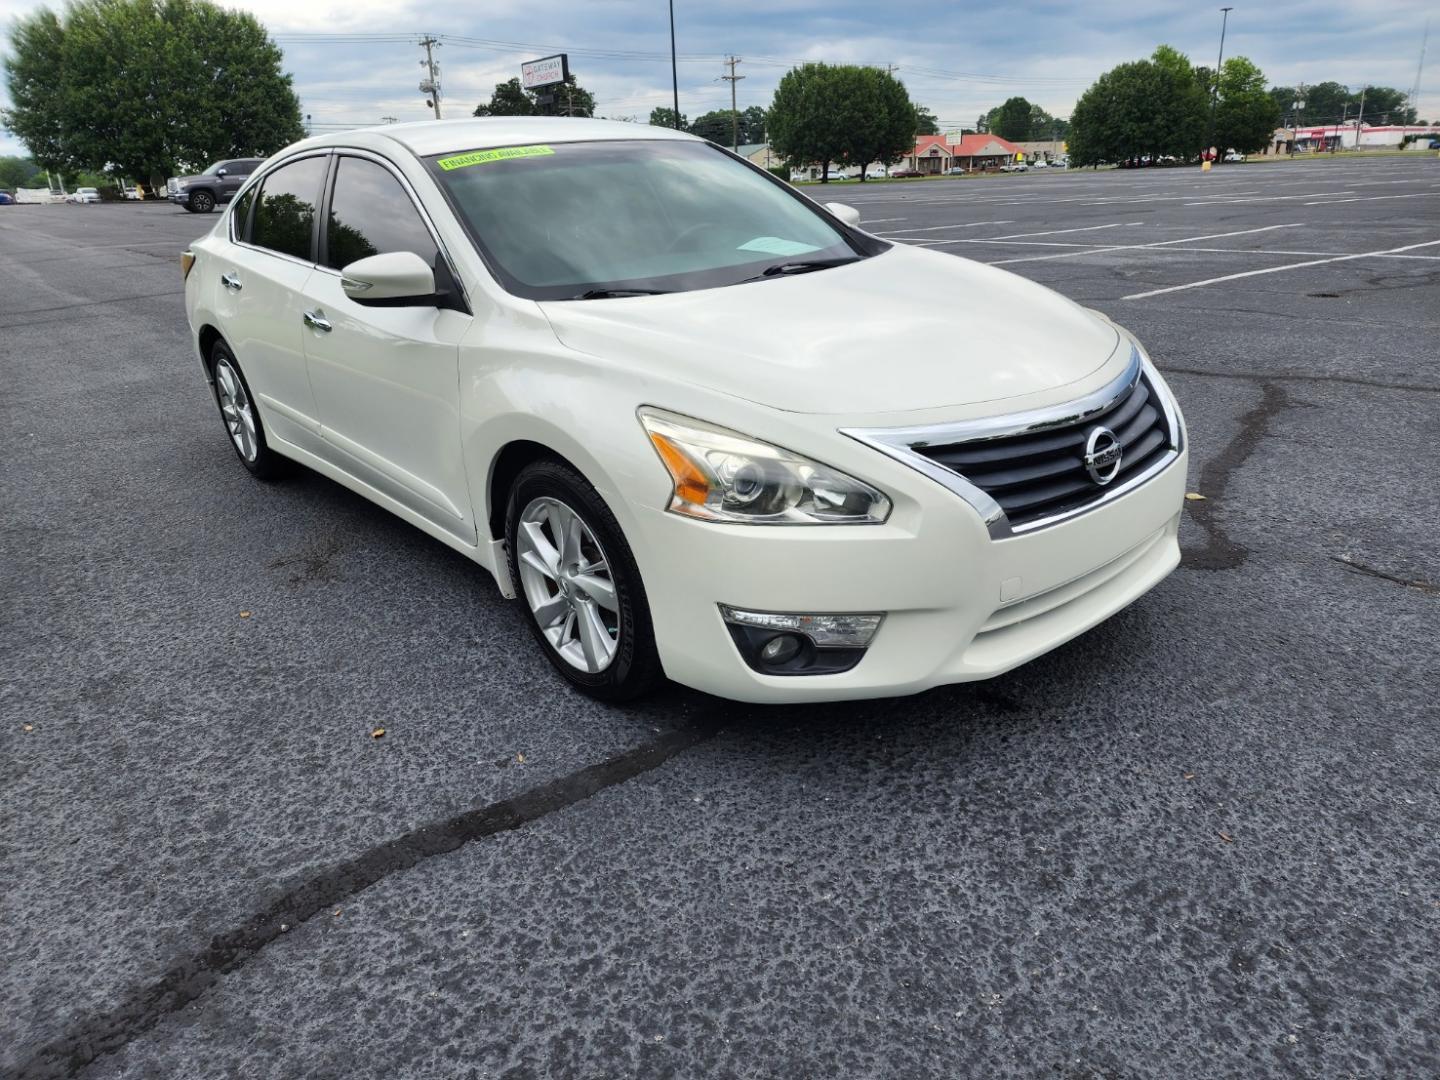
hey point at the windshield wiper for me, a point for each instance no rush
(802, 266)
(610, 294)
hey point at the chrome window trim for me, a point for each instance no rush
(900, 443)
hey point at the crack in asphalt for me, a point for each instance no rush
(1419, 584)
(187, 979)
(1264, 377)
(1220, 551)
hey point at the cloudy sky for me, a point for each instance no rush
(959, 59)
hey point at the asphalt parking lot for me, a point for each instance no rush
(1201, 840)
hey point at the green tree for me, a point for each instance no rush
(848, 114)
(16, 172)
(715, 126)
(753, 122)
(511, 99)
(1156, 107)
(1044, 127)
(925, 122)
(1245, 114)
(800, 129)
(140, 88)
(666, 118)
(1012, 120)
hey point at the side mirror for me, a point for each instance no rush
(848, 214)
(222, 172)
(394, 279)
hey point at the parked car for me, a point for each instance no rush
(6, 199)
(901, 171)
(1060, 163)
(1041, 164)
(216, 185)
(83, 195)
(644, 425)
(955, 170)
(1013, 166)
(1234, 156)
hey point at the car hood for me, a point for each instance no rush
(908, 329)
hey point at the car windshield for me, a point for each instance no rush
(591, 219)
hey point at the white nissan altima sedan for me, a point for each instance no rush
(698, 425)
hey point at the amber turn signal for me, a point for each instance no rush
(690, 483)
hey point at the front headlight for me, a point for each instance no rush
(721, 475)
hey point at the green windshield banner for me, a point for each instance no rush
(483, 157)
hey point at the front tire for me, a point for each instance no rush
(579, 585)
(240, 416)
(201, 202)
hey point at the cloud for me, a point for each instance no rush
(958, 60)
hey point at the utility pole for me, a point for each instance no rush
(674, 73)
(732, 79)
(1360, 116)
(1215, 94)
(389, 119)
(431, 85)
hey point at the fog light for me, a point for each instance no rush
(795, 643)
(780, 649)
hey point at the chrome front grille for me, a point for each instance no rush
(1028, 470)
(1035, 476)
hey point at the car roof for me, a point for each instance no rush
(427, 137)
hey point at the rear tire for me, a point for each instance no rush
(241, 417)
(588, 592)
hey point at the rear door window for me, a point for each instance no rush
(371, 213)
(284, 215)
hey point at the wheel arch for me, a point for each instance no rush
(507, 464)
(209, 334)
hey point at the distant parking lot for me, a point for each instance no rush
(1201, 840)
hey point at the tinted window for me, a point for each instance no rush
(370, 214)
(285, 209)
(245, 166)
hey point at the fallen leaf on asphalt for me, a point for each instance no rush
(244, 614)
(1227, 838)
(1189, 776)
(1194, 496)
(378, 733)
(519, 759)
(336, 913)
(27, 727)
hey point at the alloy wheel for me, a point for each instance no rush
(236, 410)
(568, 584)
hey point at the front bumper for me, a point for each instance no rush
(959, 605)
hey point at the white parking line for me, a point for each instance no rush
(1056, 232)
(1271, 198)
(880, 220)
(1277, 270)
(1374, 198)
(937, 228)
(1134, 247)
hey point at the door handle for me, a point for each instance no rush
(230, 281)
(317, 319)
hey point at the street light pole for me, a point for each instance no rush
(674, 75)
(1219, 63)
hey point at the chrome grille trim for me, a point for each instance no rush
(903, 445)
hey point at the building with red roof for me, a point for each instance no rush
(936, 154)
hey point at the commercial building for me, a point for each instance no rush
(936, 154)
(1350, 137)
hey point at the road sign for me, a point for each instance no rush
(547, 71)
